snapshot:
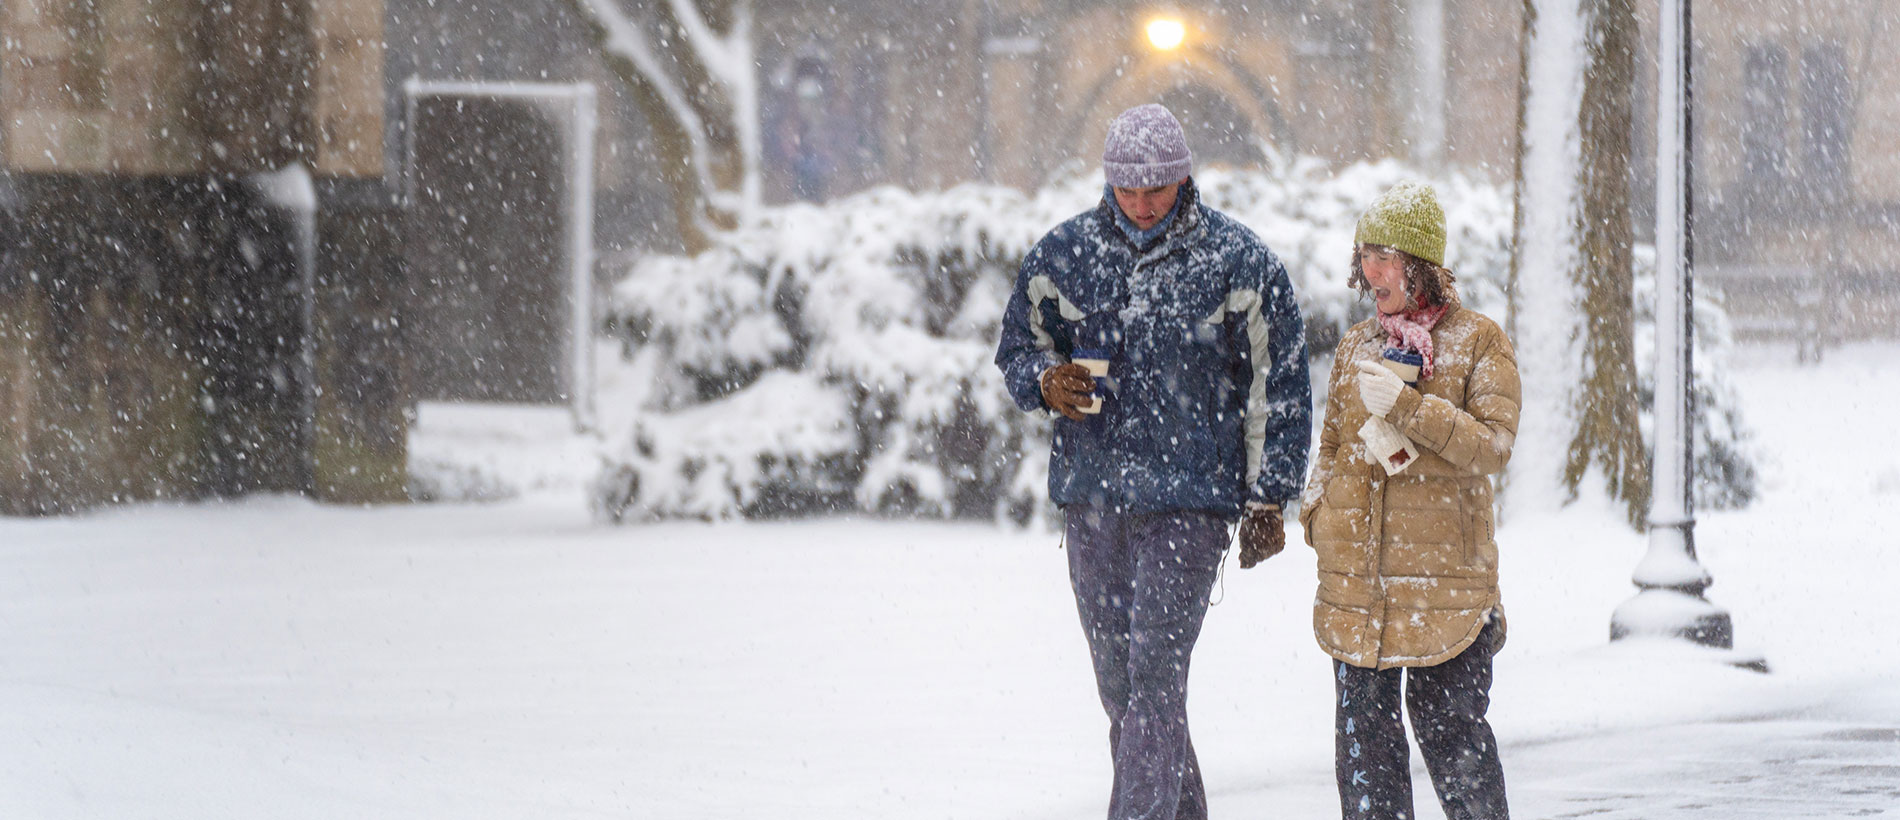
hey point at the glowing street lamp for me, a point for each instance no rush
(1166, 33)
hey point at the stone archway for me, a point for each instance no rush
(1220, 134)
(1225, 109)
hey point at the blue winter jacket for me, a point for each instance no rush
(1209, 404)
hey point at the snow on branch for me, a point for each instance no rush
(729, 61)
(626, 40)
(719, 54)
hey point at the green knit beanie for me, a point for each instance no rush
(1408, 218)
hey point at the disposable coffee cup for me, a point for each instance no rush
(1096, 362)
(1406, 363)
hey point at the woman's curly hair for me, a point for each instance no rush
(1426, 284)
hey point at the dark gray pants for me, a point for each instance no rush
(1447, 704)
(1141, 585)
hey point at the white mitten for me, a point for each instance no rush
(1378, 388)
(1386, 446)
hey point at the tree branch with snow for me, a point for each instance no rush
(698, 87)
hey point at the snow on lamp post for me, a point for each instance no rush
(1670, 581)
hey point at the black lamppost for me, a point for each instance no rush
(1670, 581)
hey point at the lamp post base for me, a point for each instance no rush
(1670, 613)
(1678, 615)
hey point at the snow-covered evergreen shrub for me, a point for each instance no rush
(885, 305)
(839, 357)
(784, 443)
(1307, 212)
(1724, 472)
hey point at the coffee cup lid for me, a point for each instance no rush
(1399, 354)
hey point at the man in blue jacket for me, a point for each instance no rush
(1203, 419)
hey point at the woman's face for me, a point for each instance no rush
(1385, 271)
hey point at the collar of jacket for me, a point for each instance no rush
(1185, 219)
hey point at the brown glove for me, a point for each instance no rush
(1066, 386)
(1262, 535)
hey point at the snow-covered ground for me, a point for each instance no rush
(275, 658)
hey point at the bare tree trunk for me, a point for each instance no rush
(1571, 279)
(1528, 25)
(671, 160)
(1426, 33)
(1607, 432)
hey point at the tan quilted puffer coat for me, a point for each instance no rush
(1408, 567)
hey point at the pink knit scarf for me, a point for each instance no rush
(1413, 329)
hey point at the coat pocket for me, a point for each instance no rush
(1477, 527)
(1478, 544)
(1342, 526)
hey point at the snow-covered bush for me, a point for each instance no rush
(1306, 212)
(784, 443)
(834, 358)
(839, 357)
(1724, 472)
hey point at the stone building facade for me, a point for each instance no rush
(1796, 104)
(195, 246)
(201, 229)
(1798, 112)
(1014, 91)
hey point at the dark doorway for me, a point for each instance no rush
(490, 316)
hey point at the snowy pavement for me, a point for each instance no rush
(1769, 768)
(275, 658)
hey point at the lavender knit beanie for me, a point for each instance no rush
(1146, 148)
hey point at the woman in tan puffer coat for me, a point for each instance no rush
(1399, 508)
